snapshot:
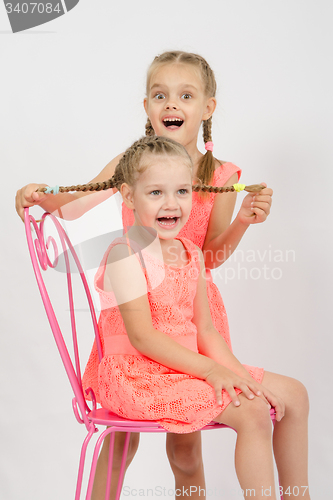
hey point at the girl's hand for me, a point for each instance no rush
(275, 403)
(223, 378)
(256, 206)
(27, 197)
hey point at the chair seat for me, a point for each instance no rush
(102, 416)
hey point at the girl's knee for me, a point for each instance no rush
(298, 399)
(184, 454)
(256, 417)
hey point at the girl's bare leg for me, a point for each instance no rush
(290, 437)
(184, 453)
(185, 457)
(99, 487)
(253, 454)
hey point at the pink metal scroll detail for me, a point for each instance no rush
(39, 249)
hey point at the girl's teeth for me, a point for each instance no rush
(167, 221)
(170, 122)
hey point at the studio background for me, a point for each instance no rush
(71, 100)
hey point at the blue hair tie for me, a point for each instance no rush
(53, 190)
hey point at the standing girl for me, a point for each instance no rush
(180, 97)
(163, 358)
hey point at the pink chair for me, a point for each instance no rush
(40, 247)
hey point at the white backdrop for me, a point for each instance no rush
(71, 99)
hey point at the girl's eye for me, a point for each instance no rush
(183, 191)
(155, 192)
(159, 95)
(186, 96)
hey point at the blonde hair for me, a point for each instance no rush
(207, 163)
(131, 163)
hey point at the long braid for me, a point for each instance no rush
(206, 166)
(149, 128)
(114, 182)
(253, 188)
(117, 181)
(130, 165)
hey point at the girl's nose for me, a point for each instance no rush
(171, 104)
(170, 203)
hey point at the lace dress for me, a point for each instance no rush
(195, 230)
(136, 387)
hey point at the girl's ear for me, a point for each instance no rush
(145, 104)
(127, 194)
(210, 108)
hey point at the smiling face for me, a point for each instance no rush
(176, 103)
(162, 196)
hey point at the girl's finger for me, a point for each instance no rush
(279, 410)
(262, 396)
(232, 393)
(260, 214)
(34, 196)
(218, 395)
(248, 392)
(265, 207)
(258, 393)
(262, 199)
(278, 405)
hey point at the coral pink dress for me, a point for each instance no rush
(136, 387)
(195, 230)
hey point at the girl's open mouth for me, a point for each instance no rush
(173, 123)
(168, 222)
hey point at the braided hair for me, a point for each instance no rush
(130, 165)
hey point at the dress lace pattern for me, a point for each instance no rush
(193, 403)
(136, 387)
(195, 230)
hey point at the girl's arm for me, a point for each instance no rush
(212, 345)
(210, 342)
(68, 206)
(155, 344)
(222, 238)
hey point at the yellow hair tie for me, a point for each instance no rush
(239, 187)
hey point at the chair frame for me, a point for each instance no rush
(92, 418)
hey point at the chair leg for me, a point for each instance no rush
(82, 460)
(123, 466)
(110, 462)
(99, 442)
(94, 461)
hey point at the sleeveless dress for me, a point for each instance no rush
(137, 387)
(195, 230)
